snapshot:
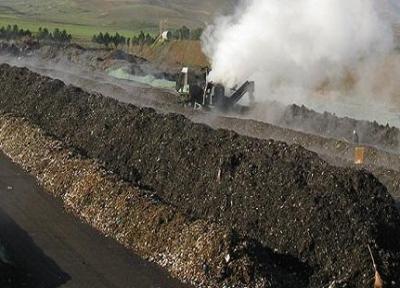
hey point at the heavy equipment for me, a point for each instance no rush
(197, 91)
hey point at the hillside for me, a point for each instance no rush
(112, 14)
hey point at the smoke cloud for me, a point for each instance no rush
(300, 50)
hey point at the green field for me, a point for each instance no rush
(84, 18)
(79, 31)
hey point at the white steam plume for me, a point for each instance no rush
(295, 49)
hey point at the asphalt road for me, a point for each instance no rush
(59, 251)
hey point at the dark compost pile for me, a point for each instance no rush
(321, 218)
(330, 125)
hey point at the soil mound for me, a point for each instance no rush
(321, 218)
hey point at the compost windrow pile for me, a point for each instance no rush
(322, 218)
(292, 116)
(332, 126)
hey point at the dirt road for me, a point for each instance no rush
(59, 251)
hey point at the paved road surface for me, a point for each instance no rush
(57, 249)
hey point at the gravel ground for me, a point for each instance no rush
(319, 218)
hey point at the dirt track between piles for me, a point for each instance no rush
(284, 197)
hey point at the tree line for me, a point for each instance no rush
(57, 35)
(14, 32)
(116, 40)
(107, 39)
(185, 33)
(62, 36)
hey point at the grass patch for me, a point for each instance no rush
(79, 31)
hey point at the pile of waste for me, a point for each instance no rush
(318, 220)
(194, 250)
(385, 165)
(330, 125)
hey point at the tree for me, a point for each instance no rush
(44, 34)
(122, 40)
(148, 39)
(106, 39)
(176, 34)
(100, 39)
(15, 30)
(118, 39)
(8, 34)
(56, 35)
(65, 37)
(181, 33)
(135, 40)
(141, 38)
(196, 33)
(185, 33)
